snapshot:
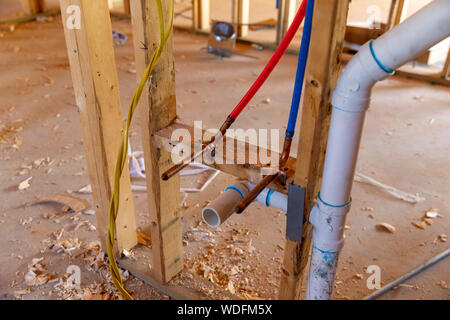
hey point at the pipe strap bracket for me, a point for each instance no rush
(296, 205)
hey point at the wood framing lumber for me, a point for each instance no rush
(446, 70)
(330, 19)
(431, 78)
(237, 155)
(241, 16)
(286, 14)
(91, 56)
(126, 7)
(397, 13)
(201, 14)
(31, 6)
(360, 35)
(158, 110)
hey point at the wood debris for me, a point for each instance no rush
(432, 213)
(58, 234)
(66, 246)
(386, 227)
(25, 221)
(73, 203)
(226, 263)
(37, 275)
(19, 293)
(421, 224)
(25, 184)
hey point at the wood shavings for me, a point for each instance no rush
(231, 288)
(19, 293)
(86, 223)
(42, 162)
(442, 238)
(66, 246)
(25, 221)
(386, 227)
(432, 213)
(17, 143)
(444, 284)
(427, 219)
(421, 225)
(36, 275)
(85, 190)
(25, 184)
(58, 234)
(89, 212)
(73, 203)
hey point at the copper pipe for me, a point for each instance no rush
(255, 192)
(268, 179)
(177, 168)
(286, 152)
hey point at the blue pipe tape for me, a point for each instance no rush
(380, 64)
(302, 60)
(269, 195)
(236, 189)
(333, 206)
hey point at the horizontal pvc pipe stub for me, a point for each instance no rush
(211, 218)
(219, 210)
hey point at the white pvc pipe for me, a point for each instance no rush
(218, 211)
(276, 200)
(350, 102)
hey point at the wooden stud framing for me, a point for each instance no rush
(201, 14)
(233, 149)
(446, 70)
(158, 110)
(241, 16)
(286, 14)
(321, 78)
(397, 13)
(32, 6)
(126, 7)
(93, 68)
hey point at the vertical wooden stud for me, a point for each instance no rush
(31, 6)
(286, 14)
(329, 25)
(158, 110)
(88, 33)
(201, 14)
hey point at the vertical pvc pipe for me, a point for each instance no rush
(351, 99)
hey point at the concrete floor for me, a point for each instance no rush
(405, 145)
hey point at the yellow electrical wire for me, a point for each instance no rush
(164, 33)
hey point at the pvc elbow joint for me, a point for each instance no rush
(353, 91)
